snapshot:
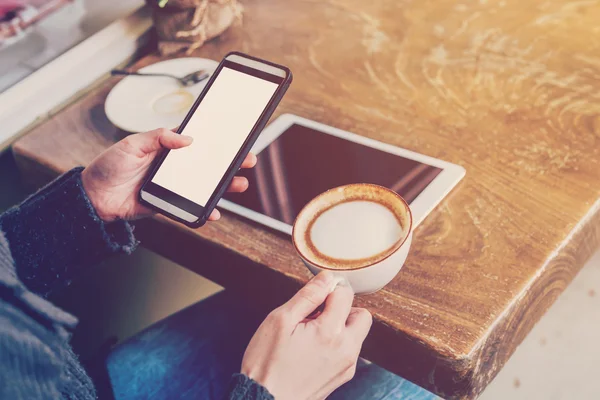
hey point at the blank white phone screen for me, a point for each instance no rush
(220, 125)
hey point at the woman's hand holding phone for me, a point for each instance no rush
(113, 180)
(225, 120)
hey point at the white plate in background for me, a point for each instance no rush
(139, 103)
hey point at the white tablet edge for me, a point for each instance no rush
(421, 206)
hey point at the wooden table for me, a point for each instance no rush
(508, 89)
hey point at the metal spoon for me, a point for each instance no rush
(188, 80)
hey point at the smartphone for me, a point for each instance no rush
(224, 121)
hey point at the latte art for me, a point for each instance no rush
(355, 230)
(351, 227)
(360, 231)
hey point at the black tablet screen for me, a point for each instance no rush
(302, 163)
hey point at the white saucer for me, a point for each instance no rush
(139, 104)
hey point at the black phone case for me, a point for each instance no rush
(242, 153)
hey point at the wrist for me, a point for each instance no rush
(94, 197)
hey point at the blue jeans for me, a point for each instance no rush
(193, 353)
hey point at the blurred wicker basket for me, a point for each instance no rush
(185, 25)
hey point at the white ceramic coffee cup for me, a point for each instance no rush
(366, 275)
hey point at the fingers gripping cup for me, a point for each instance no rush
(361, 232)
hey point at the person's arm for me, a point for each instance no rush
(56, 232)
(33, 336)
(81, 217)
(71, 223)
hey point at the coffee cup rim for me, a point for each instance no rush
(392, 249)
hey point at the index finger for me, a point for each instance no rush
(249, 161)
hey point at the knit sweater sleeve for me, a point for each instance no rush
(56, 232)
(243, 388)
(36, 361)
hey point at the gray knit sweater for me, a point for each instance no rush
(44, 243)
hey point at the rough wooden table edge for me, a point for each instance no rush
(567, 260)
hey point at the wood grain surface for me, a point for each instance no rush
(509, 89)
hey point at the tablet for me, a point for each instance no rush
(298, 159)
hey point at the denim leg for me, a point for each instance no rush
(372, 382)
(193, 353)
(189, 355)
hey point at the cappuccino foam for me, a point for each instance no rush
(351, 227)
(355, 230)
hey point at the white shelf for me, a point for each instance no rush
(34, 98)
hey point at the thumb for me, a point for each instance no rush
(149, 142)
(171, 140)
(311, 296)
